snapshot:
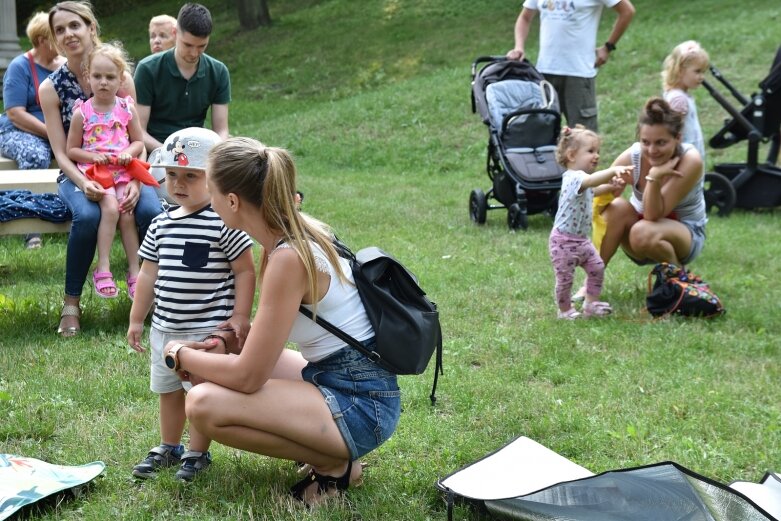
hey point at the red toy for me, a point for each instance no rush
(136, 168)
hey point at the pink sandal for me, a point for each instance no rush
(131, 286)
(570, 314)
(597, 309)
(103, 281)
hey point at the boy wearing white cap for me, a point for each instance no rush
(200, 276)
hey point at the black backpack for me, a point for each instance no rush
(406, 323)
(674, 290)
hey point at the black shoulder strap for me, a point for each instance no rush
(338, 333)
(371, 355)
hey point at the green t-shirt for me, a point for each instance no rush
(176, 103)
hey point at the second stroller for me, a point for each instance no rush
(522, 114)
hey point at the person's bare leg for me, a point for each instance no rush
(109, 215)
(130, 243)
(198, 442)
(620, 217)
(172, 417)
(665, 240)
(289, 365)
(284, 419)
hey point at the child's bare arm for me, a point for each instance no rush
(75, 140)
(244, 274)
(136, 140)
(142, 303)
(604, 176)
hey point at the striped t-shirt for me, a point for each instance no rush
(195, 289)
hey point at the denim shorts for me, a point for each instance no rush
(364, 398)
(697, 230)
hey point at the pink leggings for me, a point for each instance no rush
(568, 251)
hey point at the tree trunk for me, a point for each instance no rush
(253, 14)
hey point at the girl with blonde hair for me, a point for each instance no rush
(76, 32)
(684, 71)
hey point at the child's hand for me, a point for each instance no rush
(134, 332)
(123, 159)
(101, 159)
(624, 172)
(617, 186)
(240, 325)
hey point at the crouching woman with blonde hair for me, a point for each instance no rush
(326, 405)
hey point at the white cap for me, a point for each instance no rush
(187, 148)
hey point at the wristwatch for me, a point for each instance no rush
(171, 358)
(610, 46)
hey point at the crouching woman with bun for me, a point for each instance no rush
(326, 405)
(664, 219)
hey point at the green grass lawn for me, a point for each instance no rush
(372, 98)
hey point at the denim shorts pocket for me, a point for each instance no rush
(387, 406)
(195, 254)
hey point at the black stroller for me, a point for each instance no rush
(752, 184)
(523, 119)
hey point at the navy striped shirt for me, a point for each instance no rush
(195, 289)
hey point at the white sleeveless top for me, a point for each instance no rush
(341, 306)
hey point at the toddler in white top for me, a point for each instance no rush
(569, 243)
(684, 70)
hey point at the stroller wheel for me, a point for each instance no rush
(719, 194)
(516, 217)
(478, 206)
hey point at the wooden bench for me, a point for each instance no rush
(37, 181)
(10, 164)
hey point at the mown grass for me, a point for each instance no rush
(373, 99)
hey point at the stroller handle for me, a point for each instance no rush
(735, 92)
(754, 135)
(486, 59)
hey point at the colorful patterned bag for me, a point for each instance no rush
(678, 291)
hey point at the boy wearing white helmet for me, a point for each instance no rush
(200, 276)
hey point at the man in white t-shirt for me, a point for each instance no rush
(568, 55)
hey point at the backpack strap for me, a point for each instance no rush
(338, 333)
(371, 355)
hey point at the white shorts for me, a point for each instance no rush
(161, 379)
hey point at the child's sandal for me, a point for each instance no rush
(131, 286)
(324, 483)
(104, 283)
(570, 314)
(597, 309)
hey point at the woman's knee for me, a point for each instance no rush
(619, 214)
(644, 236)
(200, 403)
